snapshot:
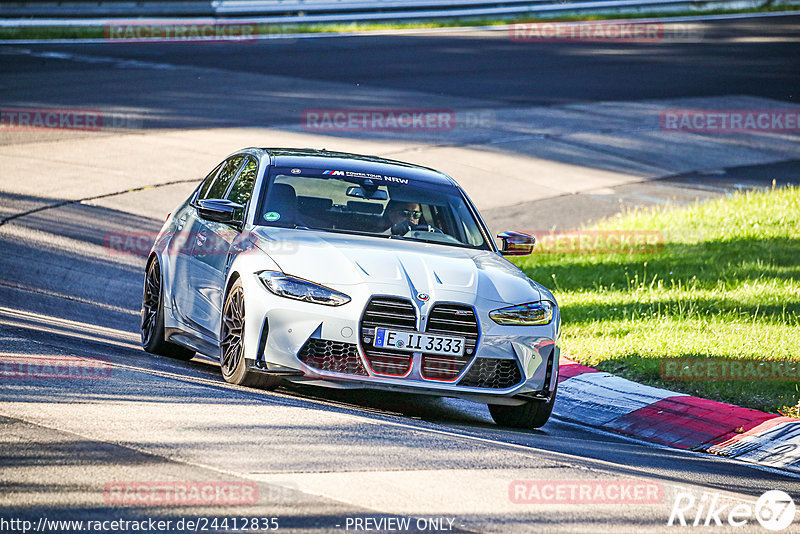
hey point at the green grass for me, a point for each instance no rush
(725, 284)
(97, 32)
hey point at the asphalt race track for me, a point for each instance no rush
(557, 131)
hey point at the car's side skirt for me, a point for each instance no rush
(193, 341)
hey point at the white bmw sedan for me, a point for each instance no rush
(351, 271)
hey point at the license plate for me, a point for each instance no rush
(419, 342)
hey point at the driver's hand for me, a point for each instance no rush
(401, 228)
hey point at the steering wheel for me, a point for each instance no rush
(404, 227)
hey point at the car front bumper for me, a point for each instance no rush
(323, 345)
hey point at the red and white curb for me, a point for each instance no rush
(612, 403)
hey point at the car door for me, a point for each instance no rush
(181, 253)
(213, 246)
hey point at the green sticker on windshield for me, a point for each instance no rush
(272, 216)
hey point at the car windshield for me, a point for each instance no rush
(369, 204)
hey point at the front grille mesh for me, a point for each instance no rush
(450, 320)
(333, 356)
(387, 312)
(492, 373)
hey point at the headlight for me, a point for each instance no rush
(299, 289)
(533, 313)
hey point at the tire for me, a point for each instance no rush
(152, 324)
(532, 414)
(234, 366)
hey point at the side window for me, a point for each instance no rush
(243, 187)
(208, 180)
(226, 175)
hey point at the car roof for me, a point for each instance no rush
(344, 161)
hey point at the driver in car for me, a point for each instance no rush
(402, 217)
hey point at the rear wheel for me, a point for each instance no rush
(235, 367)
(532, 414)
(152, 325)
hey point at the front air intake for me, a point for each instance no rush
(332, 356)
(450, 320)
(492, 373)
(387, 312)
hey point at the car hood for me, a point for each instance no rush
(410, 266)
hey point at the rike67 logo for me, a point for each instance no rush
(774, 511)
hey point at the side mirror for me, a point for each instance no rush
(219, 210)
(516, 243)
